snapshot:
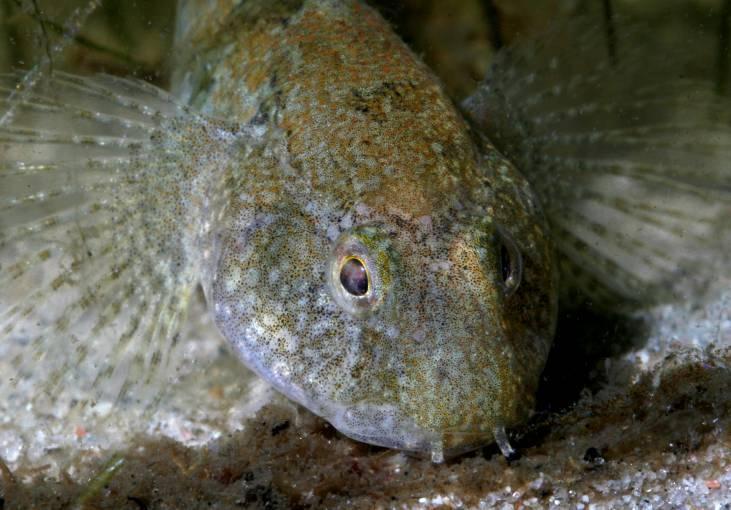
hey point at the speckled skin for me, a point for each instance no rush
(362, 154)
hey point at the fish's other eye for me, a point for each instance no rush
(354, 276)
(511, 263)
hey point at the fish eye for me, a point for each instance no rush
(354, 276)
(361, 270)
(511, 263)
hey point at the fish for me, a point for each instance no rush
(389, 259)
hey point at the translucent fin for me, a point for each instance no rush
(107, 191)
(630, 160)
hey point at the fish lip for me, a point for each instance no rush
(383, 425)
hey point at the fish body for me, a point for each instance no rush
(361, 243)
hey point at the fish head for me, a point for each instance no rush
(419, 332)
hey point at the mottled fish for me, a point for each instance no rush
(362, 244)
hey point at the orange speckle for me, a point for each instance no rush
(713, 484)
(80, 432)
(216, 392)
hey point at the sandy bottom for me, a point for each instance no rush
(645, 429)
(664, 441)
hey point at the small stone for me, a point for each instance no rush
(593, 456)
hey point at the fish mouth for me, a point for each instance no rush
(382, 425)
(386, 426)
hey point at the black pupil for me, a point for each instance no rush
(505, 263)
(354, 278)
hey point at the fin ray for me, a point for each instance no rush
(103, 207)
(629, 160)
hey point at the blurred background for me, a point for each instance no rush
(457, 41)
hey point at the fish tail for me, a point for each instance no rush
(107, 191)
(629, 158)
